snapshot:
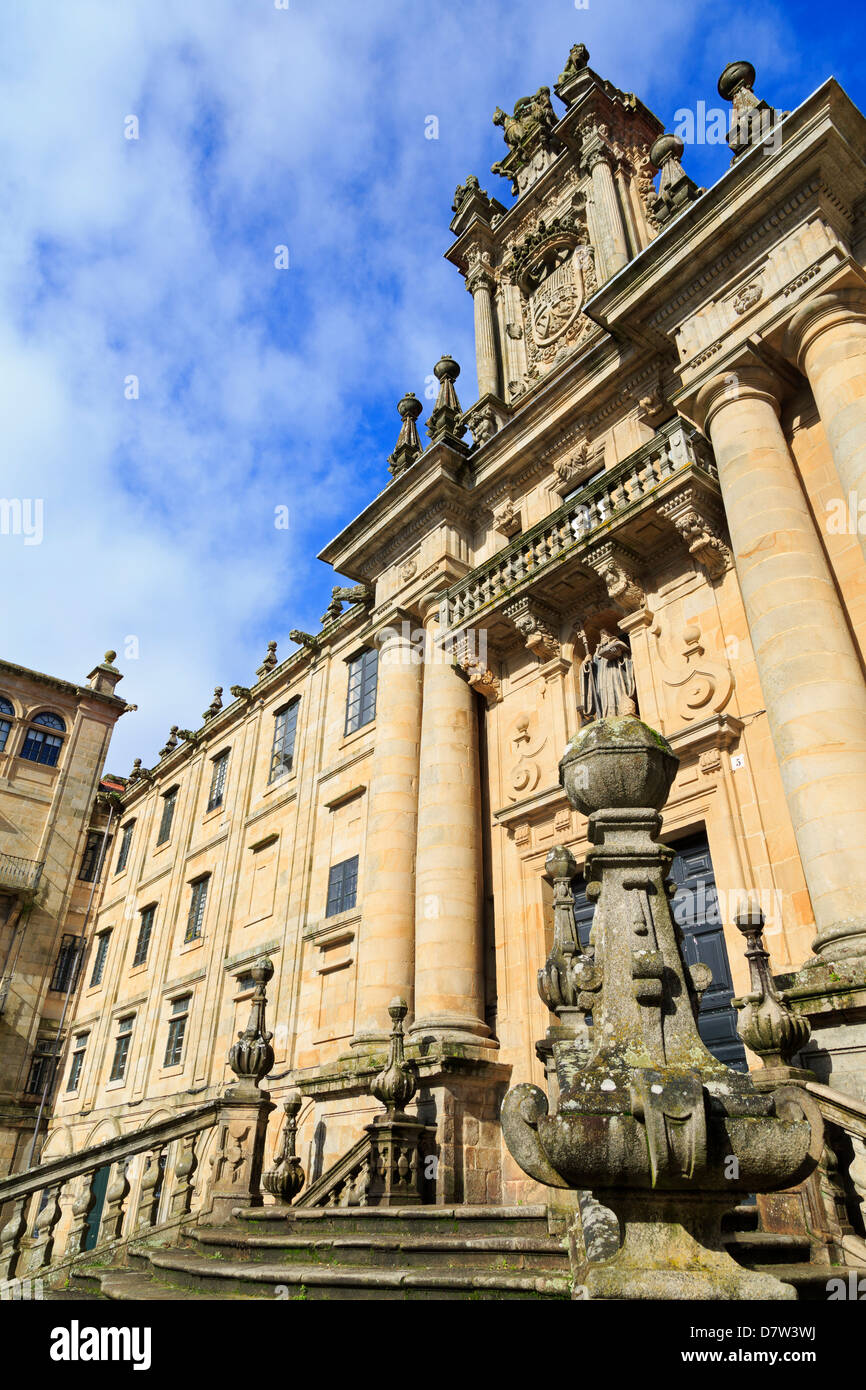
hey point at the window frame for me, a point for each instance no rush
(177, 1024)
(281, 748)
(102, 942)
(166, 820)
(44, 1057)
(76, 1061)
(122, 1045)
(124, 846)
(72, 946)
(219, 775)
(96, 849)
(145, 933)
(344, 877)
(197, 909)
(41, 739)
(362, 716)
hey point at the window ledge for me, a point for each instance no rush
(333, 926)
(115, 1085)
(190, 945)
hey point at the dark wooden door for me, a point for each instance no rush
(100, 1186)
(696, 910)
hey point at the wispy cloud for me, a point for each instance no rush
(154, 258)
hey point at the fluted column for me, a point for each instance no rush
(810, 676)
(827, 339)
(480, 285)
(608, 212)
(449, 954)
(386, 959)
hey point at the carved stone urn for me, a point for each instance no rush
(662, 1133)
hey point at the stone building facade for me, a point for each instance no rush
(55, 809)
(672, 402)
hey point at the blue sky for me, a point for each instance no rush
(259, 388)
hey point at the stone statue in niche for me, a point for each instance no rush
(607, 685)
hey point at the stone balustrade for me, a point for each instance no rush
(674, 451)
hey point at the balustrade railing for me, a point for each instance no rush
(18, 874)
(579, 521)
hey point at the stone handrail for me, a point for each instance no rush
(579, 521)
(20, 1253)
(19, 873)
(845, 1118)
(345, 1183)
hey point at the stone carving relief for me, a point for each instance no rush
(480, 677)
(700, 527)
(607, 686)
(554, 271)
(698, 686)
(617, 567)
(526, 743)
(537, 624)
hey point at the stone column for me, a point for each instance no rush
(608, 212)
(480, 285)
(810, 675)
(449, 955)
(827, 340)
(386, 958)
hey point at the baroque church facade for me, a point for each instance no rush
(631, 518)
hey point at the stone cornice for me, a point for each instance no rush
(63, 687)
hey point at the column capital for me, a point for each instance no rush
(819, 313)
(741, 382)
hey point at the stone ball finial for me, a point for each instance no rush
(667, 146)
(446, 368)
(736, 75)
(110, 657)
(398, 1008)
(616, 764)
(561, 863)
(409, 406)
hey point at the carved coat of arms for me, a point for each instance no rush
(557, 301)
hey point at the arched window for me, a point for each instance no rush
(6, 708)
(40, 746)
(50, 721)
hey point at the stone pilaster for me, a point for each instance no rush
(449, 960)
(387, 951)
(810, 675)
(827, 339)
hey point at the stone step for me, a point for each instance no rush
(465, 1221)
(767, 1248)
(232, 1278)
(436, 1252)
(745, 1217)
(134, 1285)
(810, 1281)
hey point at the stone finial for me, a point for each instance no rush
(397, 1083)
(751, 119)
(104, 677)
(252, 1056)
(408, 447)
(171, 742)
(285, 1180)
(676, 190)
(575, 77)
(136, 774)
(216, 703)
(446, 418)
(269, 662)
(767, 1023)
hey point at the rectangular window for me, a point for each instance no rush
(123, 852)
(177, 1030)
(75, 1066)
(218, 781)
(101, 952)
(91, 860)
(361, 692)
(283, 750)
(145, 927)
(196, 909)
(121, 1048)
(168, 805)
(68, 963)
(5, 726)
(42, 1067)
(342, 886)
(40, 747)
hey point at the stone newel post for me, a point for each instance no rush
(240, 1141)
(662, 1133)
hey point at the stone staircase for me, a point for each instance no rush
(487, 1253)
(349, 1253)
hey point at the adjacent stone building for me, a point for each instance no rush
(653, 505)
(55, 812)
